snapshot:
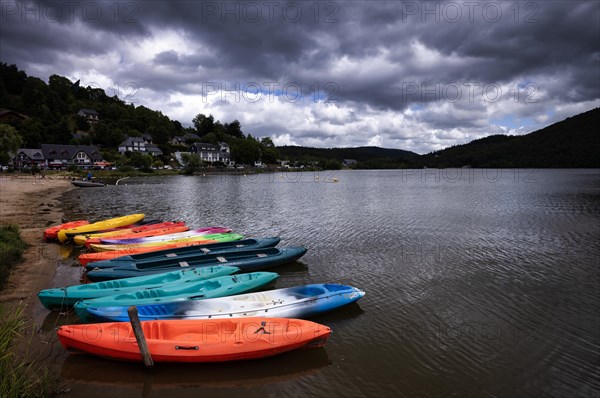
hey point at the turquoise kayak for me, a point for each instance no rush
(211, 288)
(246, 260)
(292, 302)
(66, 297)
(188, 254)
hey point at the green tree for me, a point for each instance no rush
(204, 124)
(210, 138)
(140, 160)
(269, 152)
(191, 163)
(234, 129)
(32, 131)
(35, 98)
(246, 151)
(10, 141)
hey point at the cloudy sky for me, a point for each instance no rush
(397, 74)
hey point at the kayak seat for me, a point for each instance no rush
(153, 330)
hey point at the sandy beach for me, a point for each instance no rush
(32, 204)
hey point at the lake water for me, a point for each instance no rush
(478, 282)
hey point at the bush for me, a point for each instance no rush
(18, 378)
(11, 250)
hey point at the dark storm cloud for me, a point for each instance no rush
(385, 55)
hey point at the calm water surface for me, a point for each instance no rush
(479, 282)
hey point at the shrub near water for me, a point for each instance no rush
(11, 250)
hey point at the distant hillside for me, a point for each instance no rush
(366, 157)
(573, 142)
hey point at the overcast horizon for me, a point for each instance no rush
(395, 74)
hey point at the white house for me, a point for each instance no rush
(210, 153)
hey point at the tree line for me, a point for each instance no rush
(51, 109)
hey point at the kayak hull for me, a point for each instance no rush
(66, 234)
(247, 261)
(87, 258)
(140, 240)
(163, 242)
(188, 254)
(52, 232)
(66, 297)
(293, 302)
(215, 287)
(84, 239)
(197, 340)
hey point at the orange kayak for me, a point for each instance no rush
(198, 340)
(86, 258)
(52, 232)
(159, 231)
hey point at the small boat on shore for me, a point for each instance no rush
(136, 249)
(99, 226)
(163, 238)
(208, 237)
(66, 297)
(152, 252)
(196, 340)
(247, 261)
(164, 258)
(153, 229)
(52, 232)
(189, 291)
(291, 302)
(87, 184)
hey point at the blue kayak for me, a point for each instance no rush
(293, 302)
(245, 260)
(66, 297)
(190, 253)
(215, 287)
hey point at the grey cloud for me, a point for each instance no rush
(555, 43)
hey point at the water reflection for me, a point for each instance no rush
(98, 376)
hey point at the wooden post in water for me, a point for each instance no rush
(139, 336)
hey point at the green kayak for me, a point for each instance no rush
(211, 288)
(65, 297)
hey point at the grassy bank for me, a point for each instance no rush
(18, 378)
(11, 250)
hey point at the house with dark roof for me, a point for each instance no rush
(90, 115)
(7, 115)
(132, 144)
(56, 155)
(210, 153)
(139, 144)
(183, 139)
(147, 138)
(153, 150)
(27, 157)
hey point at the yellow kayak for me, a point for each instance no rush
(66, 234)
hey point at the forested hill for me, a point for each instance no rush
(573, 142)
(47, 113)
(365, 157)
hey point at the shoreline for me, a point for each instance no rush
(32, 204)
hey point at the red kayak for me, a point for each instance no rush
(51, 233)
(164, 228)
(198, 340)
(87, 258)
